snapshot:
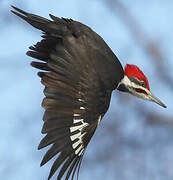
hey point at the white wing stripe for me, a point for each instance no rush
(75, 136)
(81, 152)
(79, 148)
(99, 119)
(79, 135)
(79, 127)
(75, 144)
(76, 114)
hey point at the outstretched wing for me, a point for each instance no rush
(76, 94)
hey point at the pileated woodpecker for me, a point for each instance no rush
(79, 72)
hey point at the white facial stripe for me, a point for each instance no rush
(137, 86)
(125, 81)
(129, 83)
(79, 135)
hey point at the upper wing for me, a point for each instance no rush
(77, 95)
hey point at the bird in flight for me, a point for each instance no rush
(79, 72)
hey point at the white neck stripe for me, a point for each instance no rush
(126, 81)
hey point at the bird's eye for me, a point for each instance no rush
(143, 84)
(140, 91)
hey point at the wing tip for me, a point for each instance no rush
(40, 146)
(42, 163)
(18, 12)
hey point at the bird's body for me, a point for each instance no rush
(79, 72)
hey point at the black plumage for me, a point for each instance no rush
(79, 72)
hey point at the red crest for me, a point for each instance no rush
(134, 71)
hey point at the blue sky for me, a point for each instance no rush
(21, 91)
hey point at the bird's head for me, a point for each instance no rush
(136, 83)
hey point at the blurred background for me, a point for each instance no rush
(135, 139)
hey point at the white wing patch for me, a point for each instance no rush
(78, 145)
(99, 119)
